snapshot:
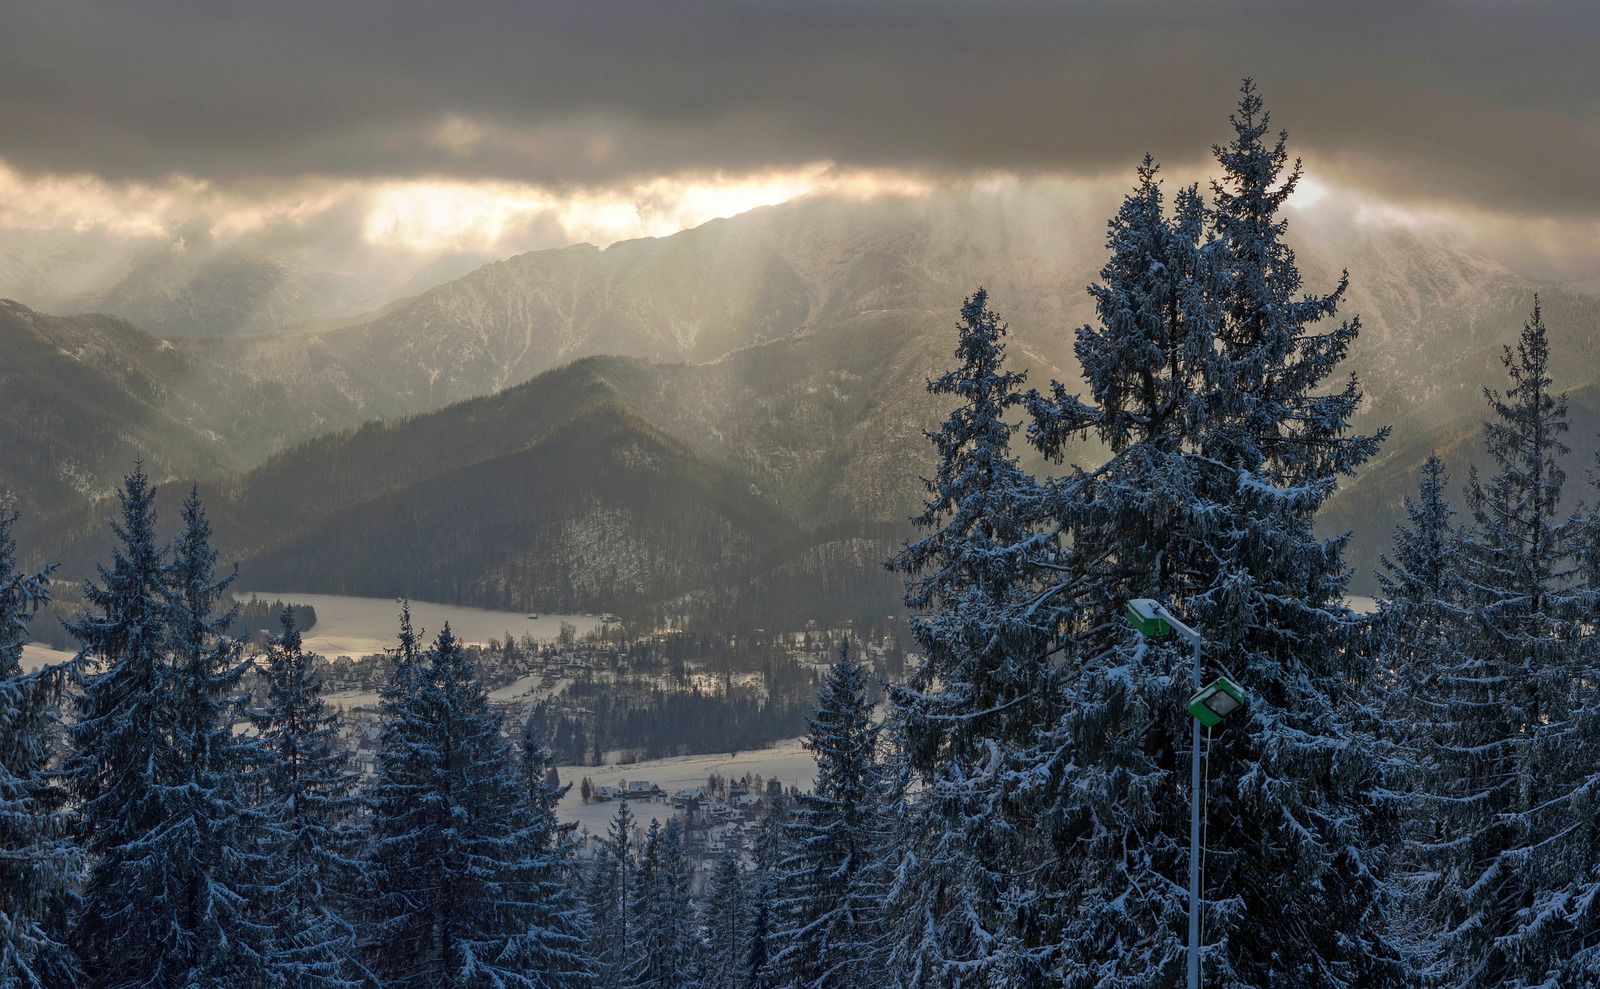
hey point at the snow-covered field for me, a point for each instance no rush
(785, 761)
(37, 654)
(350, 626)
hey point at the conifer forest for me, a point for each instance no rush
(1401, 798)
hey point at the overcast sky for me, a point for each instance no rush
(1488, 109)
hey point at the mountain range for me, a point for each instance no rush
(727, 421)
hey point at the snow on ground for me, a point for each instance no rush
(785, 761)
(37, 654)
(356, 627)
(349, 700)
(528, 688)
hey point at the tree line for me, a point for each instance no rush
(254, 618)
(1406, 799)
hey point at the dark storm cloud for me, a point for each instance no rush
(1496, 103)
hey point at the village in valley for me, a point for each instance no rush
(721, 796)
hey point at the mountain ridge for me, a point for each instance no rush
(790, 345)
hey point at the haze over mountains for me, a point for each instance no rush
(727, 420)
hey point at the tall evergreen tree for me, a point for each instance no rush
(557, 919)
(610, 902)
(451, 881)
(761, 938)
(668, 949)
(1207, 374)
(971, 715)
(1415, 639)
(203, 795)
(727, 920)
(1419, 584)
(1417, 631)
(151, 765)
(303, 821)
(21, 595)
(123, 934)
(1138, 528)
(831, 890)
(1515, 865)
(38, 861)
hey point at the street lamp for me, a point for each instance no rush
(1218, 699)
(1208, 705)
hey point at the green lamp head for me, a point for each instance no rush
(1215, 701)
(1142, 613)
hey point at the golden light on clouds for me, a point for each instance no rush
(83, 202)
(424, 216)
(459, 215)
(86, 202)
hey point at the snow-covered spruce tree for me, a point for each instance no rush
(970, 716)
(1517, 877)
(1419, 588)
(560, 943)
(151, 769)
(761, 936)
(1206, 375)
(726, 918)
(450, 877)
(1415, 635)
(204, 795)
(1114, 783)
(668, 950)
(1415, 640)
(609, 902)
(38, 861)
(124, 930)
(831, 891)
(302, 823)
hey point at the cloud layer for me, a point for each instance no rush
(1454, 100)
(385, 134)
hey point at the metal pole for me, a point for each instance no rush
(1194, 806)
(1194, 840)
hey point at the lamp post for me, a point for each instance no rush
(1208, 705)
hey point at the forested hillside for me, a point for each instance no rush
(560, 493)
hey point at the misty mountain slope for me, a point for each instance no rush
(185, 283)
(822, 430)
(828, 422)
(697, 295)
(605, 512)
(508, 321)
(790, 346)
(81, 399)
(1430, 309)
(196, 291)
(1435, 320)
(337, 471)
(87, 395)
(55, 270)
